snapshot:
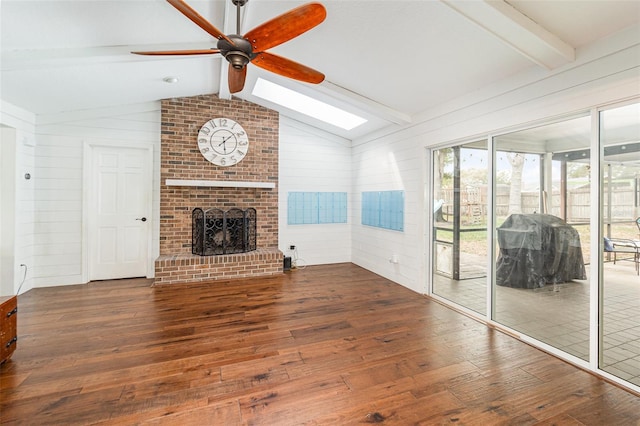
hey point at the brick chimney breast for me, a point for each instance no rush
(181, 159)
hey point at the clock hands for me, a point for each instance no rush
(224, 143)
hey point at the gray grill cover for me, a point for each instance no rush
(538, 249)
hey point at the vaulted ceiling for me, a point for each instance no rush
(387, 60)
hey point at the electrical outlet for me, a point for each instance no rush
(292, 247)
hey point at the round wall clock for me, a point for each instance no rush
(223, 141)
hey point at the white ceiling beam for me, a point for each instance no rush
(364, 103)
(516, 30)
(65, 57)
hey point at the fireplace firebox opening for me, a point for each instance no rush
(216, 232)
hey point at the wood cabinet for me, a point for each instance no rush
(8, 326)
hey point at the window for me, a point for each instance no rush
(306, 105)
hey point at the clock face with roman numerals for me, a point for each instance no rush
(223, 142)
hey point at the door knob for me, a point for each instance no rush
(144, 219)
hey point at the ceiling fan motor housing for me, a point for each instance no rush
(238, 54)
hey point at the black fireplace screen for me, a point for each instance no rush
(215, 231)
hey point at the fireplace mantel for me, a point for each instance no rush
(219, 183)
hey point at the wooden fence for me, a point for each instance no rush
(473, 204)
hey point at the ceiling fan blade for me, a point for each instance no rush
(286, 26)
(179, 52)
(236, 79)
(287, 68)
(198, 19)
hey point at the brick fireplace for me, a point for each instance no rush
(188, 181)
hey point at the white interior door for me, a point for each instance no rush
(119, 212)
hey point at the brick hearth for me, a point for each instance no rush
(183, 268)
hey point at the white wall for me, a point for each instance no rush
(7, 212)
(603, 73)
(385, 165)
(60, 189)
(48, 208)
(313, 161)
(17, 212)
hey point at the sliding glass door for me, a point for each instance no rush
(548, 218)
(542, 204)
(620, 284)
(460, 245)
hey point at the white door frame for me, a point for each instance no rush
(88, 154)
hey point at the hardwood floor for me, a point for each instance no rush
(327, 345)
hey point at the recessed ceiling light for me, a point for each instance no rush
(306, 105)
(170, 79)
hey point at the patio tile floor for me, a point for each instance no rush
(559, 314)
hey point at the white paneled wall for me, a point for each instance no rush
(60, 187)
(314, 161)
(397, 159)
(58, 203)
(386, 165)
(25, 211)
(49, 207)
(8, 177)
(17, 207)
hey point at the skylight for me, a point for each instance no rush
(306, 105)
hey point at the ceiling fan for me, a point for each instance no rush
(239, 50)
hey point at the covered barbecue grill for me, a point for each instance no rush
(538, 249)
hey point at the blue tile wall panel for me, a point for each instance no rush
(304, 208)
(383, 209)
